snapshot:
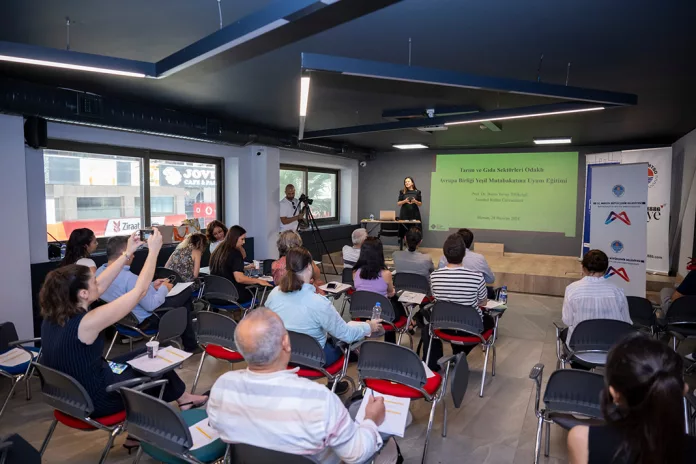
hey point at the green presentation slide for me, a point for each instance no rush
(505, 191)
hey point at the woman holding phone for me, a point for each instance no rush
(410, 201)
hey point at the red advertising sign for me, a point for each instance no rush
(204, 210)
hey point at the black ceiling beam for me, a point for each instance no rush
(421, 112)
(417, 74)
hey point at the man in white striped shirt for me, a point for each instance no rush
(269, 406)
(593, 296)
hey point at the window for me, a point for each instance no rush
(320, 185)
(97, 207)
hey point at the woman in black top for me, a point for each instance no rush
(643, 408)
(410, 201)
(228, 261)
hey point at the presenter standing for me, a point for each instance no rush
(410, 201)
(289, 206)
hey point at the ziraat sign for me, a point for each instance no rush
(185, 176)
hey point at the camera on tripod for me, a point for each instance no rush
(306, 200)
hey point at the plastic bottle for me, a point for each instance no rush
(372, 217)
(377, 311)
(502, 296)
(62, 250)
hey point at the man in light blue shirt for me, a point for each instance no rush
(472, 261)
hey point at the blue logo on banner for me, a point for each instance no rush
(618, 190)
(617, 246)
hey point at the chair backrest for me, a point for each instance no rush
(8, 334)
(172, 324)
(217, 329)
(219, 288)
(598, 335)
(347, 276)
(387, 361)
(268, 266)
(129, 320)
(155, 422)
(389, 229)
(447, 315)
(248, 454)
(362, 302)
(641, 311)
(682, 311)
(64, 393)
(164, 273)
(306, 351)
(574, 391)
(411, 283)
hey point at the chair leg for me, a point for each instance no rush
(430, 347)
(130, 343)
(109, 443)
(483, 374)
(493, 367)
(548, 439)
(537, 445)
(15, 381)
(111, 346)
(427, 433)
(51, 429)
(198, 373)
(443, 398)
(138, 455)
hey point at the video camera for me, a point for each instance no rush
(305, 199)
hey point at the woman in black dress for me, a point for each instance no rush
(643, 408)
(410, 201)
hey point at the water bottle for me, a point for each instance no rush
(372, 217)
(377, 311)
(502, 296)
(62, 250)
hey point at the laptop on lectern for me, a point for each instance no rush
(387, 215)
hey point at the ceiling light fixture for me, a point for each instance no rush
(553, 141)
(56, 64)
(409, 146)
(522, 116)
(304, 95)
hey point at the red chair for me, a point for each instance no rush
(396, 370)
(215, 334)
(309, 356)
(466, 320)
(74, 407)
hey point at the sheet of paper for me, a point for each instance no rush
(202, 434)
(165, 358)
(15, 357)
(412, 297)
(396, 413)
(205, 270)
(266, 278)
(178, 288)
(339, 287)
(428, 372)
(492, 304)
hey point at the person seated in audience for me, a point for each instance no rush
(215, 232)
(70, 332)
(186, 258)
(686, 288)
(286, 240)
(154, 296)
(413, 261)
(302, 310)
(472, 261)
(228, 261)
(352, 253)
(267, 405)
(370, 274)
(81, 244)
(643, 408)
(456, 284)
(593, 296)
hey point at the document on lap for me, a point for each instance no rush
(203, 434)
(396, 413)
(178, 288)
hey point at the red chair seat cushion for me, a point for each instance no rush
(462, 338)
(399, 323)
(402, 391)
(75, 423)
(219, 352)
(332, 369)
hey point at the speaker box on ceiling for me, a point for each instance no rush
(35, 132)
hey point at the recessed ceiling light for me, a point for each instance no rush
(409, 146)
(304, 95)
(553, 141)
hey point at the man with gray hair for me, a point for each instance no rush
(269, 406)
(351, 254)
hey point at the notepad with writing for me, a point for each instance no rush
(492, 304)
(412, 297)
(202, 434)
(396, 413)
(15, 357)
(166, 357)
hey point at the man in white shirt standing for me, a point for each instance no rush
(289, 210)
(269, 406)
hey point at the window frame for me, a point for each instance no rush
(144, 156)
(305, 177)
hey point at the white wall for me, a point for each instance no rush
(686, 149)
(15, 284)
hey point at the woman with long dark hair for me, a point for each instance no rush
(80, 245)
(410, 201)
(643, 408)
(215, 232)
(228, 261)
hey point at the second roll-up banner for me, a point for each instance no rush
(618, 207)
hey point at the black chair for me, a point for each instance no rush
(361, 304)
(396, 370)
(248, 454)
(590, 342)
(73, 406)
(172, 323)
(467, 322)
(642, 314)
(164, 273)
(215, 334)
(390, 229)
(407, 282)
(572, 397)
(268, 267)
(21, 371)
(681, 320)
(220, 293)
(347, 278)
(310, 357)
(164, 431)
